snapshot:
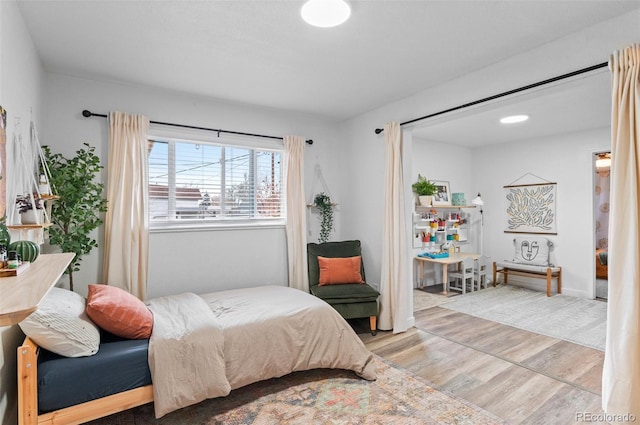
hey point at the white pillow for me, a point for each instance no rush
(61, 325)
(532, 250)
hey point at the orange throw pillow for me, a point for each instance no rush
(338, 271)
(117, 311)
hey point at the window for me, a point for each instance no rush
(194, 183)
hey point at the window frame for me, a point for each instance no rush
(209, 138)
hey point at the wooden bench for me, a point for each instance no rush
(541, 272)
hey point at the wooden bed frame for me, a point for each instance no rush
(80, 413)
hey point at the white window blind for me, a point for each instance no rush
(201, 182)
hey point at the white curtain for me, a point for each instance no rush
(296, 213)
(621, 374)
(394, 283)
(126, 254)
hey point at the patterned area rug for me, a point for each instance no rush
(323, 396)
(572, 319)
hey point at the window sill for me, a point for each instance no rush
(180, 227)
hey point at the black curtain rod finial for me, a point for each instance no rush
(309, 142)
(379, 130)
(86, 113)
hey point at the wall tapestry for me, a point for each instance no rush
(531, 208)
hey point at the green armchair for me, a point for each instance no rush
(350, 300)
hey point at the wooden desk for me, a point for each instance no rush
(454, 258)
(20, 295)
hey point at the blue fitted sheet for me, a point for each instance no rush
(119, 365)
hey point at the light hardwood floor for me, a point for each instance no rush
(519, 376)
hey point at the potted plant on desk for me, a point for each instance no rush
(425, 190)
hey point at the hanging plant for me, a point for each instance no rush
(323, 202)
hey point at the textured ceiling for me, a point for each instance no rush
(262, 53)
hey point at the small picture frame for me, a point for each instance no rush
(443, 193)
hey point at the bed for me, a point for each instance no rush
(247, 335)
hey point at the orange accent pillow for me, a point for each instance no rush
(338, 271)
(117, 311)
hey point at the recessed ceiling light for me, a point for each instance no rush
(514, 119)
(325, 13)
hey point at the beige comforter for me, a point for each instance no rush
(186, 357)
(267, 332)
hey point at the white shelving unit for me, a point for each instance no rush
(450, 219)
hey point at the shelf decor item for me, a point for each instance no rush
(27, 250)
(30, 210)
(442, 195)
(457, 199)
(425, 190)
(323, 202)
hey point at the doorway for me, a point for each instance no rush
(602, 170)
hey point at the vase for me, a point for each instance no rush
(425, 201)
(32, 216)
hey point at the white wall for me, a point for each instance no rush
(565, 159)
(201, 261)
(21, 79)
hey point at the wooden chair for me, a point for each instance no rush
(463, 278)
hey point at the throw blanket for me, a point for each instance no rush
(186, 353)
(203, 346)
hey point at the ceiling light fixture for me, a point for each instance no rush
(325, 13)
(514, 119)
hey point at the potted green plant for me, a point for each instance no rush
(425, 190)
(30, 212)
(323, 202)
(79, 208)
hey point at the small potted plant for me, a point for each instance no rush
(425, 190)
(30, 210)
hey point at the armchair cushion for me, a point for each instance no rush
(339, 271)
(355, 293)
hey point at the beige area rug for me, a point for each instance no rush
(324, 396)
(423, 300)
(578, 320)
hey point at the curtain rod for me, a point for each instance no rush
(499, 95)
(86, 113)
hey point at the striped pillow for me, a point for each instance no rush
(117, 311)
(61, 325)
